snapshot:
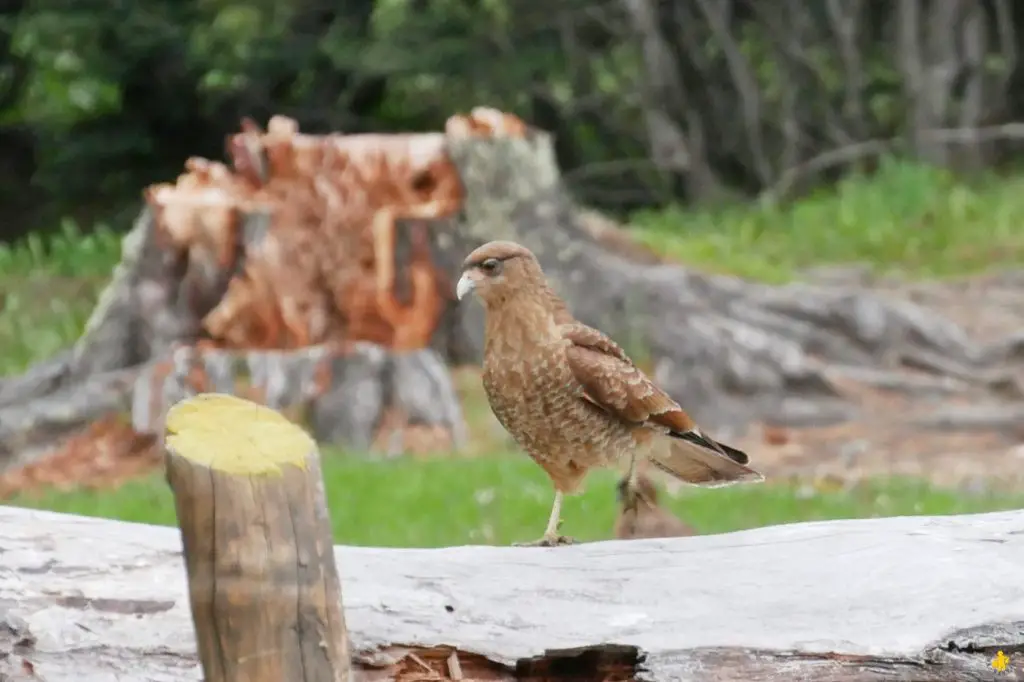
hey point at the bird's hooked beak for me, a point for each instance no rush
(466, 284)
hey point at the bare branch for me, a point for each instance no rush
(972, 106)
(671, 148)
(715, 11)
(1007, 34)
(844, 16)
(871, 148)
(912, 66)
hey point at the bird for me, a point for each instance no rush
(570, 396)
(640, 516)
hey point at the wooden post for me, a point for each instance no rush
(263, 585)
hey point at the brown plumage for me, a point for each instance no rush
(569, 395)
(640, 516)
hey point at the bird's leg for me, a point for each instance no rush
(551, 538)
(633, 475)
(629, 494)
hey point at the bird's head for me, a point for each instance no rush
(497, 271)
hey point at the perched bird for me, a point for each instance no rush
(569, 395)
(641, 517)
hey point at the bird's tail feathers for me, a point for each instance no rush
(697, 460)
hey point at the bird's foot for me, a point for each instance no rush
(553, 540)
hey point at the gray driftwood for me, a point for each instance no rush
(929, 599)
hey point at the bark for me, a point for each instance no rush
(256, 535)
(928, 599)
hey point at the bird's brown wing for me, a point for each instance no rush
(614, 384)
(611, 381)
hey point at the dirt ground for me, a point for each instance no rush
(885, 440)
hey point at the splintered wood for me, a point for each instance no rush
(322, 267)
(295, 247)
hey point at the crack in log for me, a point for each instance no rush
(604, 663)
(123, 606)
(625, 663)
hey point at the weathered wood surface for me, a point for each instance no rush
(924, 599)
(262, 578)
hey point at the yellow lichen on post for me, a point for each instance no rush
(234, 435)
(263, 585)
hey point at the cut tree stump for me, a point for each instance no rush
(309, 246)
(927, 599)
(302, 276)
(262, 581)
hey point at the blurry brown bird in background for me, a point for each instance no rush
(641, 517)
(570, 396)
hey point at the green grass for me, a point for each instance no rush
(502, 499)
(907, 218)
(918, 221)
(48, 287)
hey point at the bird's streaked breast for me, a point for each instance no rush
(538, 400)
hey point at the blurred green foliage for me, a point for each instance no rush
(49, 284)
(99, 99)
(907, 218)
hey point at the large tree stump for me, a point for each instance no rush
(263, 586)
(921, 599)
(285, 277)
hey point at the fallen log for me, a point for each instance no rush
(263, 586)
(929, 599)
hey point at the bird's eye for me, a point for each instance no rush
(491, 266)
